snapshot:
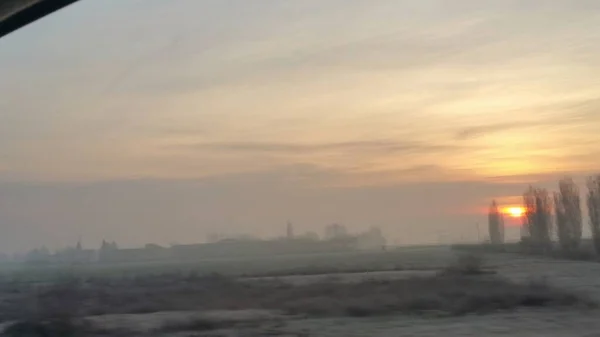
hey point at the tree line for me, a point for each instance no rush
(558, 213)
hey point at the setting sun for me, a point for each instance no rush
(515, 212)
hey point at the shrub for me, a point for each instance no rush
(196, 324)
(49, 328)
(452, 291)
(467, 264)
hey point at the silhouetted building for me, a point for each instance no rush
(290, 231)
(335, 231)
(371, 239)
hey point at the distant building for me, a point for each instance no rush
(371, 239)
(214, 237)
(290, 230)
(310, 236)
(107, 251)
(38, 256)
(75, 255)
(335, 231)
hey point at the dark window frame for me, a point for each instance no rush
(15, 14)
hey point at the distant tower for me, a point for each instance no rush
(290, 230)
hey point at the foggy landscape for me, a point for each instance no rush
(301, 168)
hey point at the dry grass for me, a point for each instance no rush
(196, 324)
(446, 293)
(207, 324)
(205, 327)
(585, 252)
(64, 327)
(439, 295)
(464, 287)
(329, 270)
(467, 264)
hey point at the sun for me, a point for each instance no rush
(515, 212)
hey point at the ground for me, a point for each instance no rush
(581, 278)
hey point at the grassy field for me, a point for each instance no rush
(233, 297)
(412, 258)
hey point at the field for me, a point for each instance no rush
(411, 258)
(425, 291)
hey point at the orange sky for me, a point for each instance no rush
(325, 96)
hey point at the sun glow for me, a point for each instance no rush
(515, 211)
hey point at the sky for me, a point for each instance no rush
(163, 121)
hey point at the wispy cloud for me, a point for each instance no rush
(328, 71)
(578, 113)
(351, 146)
(476, 131)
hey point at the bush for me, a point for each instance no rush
(59, 301)
(576, 255)
(204, 324)
(467, 264)
(60, 328)
(196, 324)
(50, 328)
(445, 294)
(51, 310)
(452, 291)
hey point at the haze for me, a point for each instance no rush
(162, 121)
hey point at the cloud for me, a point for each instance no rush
(579, 113)
(548, 180)
(584, 110)
(402, 176)
(440, 64)
(394, 51)
(352, 146)
(477, 131)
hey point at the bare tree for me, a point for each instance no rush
(529, 206)
(562, 227)
(538, 216)
(567, 207)
(593, 203)
(495, 224)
